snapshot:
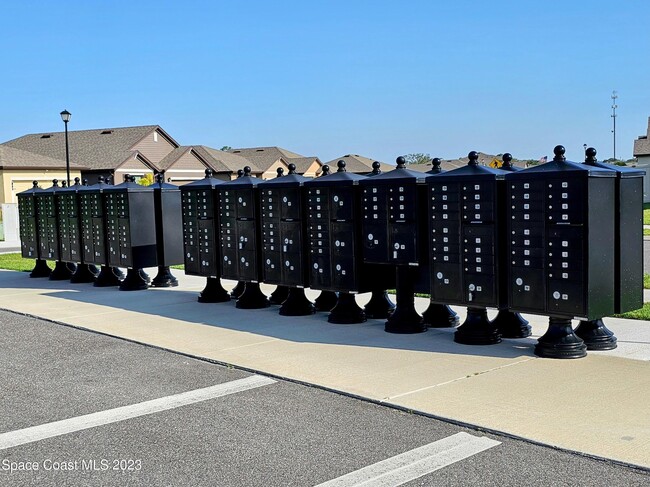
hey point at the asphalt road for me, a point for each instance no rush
(277, 434)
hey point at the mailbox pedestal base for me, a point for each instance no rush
(238, 290)
(144, 275)
(213, 292)
(477, 329)
(40, 269)
(325, 301)
(164, 278)
(405, 319)
(108, 276)
(297, 304)
(596, 335)
(252, 297)
(84, 273)
(63, 271)
(440, 316)
(134, 281)
(560, 341)
(380, 306)
(279, 295)
(511, 325)
(346, 311)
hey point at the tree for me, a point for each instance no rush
(146, 180)
(226, 147)
(417, 158)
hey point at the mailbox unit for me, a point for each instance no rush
(393, 226)
(465, 245)
(29, 245)
(202, 251)
(240, 237)
(68, 223)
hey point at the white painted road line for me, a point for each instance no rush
(413, 464)
(58, 428)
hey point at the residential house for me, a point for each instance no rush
(269, 159)
(642, 154)
(353, 163)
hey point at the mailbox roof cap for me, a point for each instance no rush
(337, 179)
(31, 191)
(205, 183)
(562, 167)
(288, 181)
(242, 182)
(397, 174)
(470, 172)
(621, 171)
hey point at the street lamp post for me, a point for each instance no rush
(65, 116)
(614, 107)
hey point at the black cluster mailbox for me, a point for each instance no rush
(29, 237)
(47, 227)
(393, 226)
(70, 232)
(335, 264)
(169, 237)
(561, 227)
(129, 213)
(283, 226)
(465, 234)
(94, 239)
(201, 236)
(240, 238)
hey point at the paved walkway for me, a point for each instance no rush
(597, 405)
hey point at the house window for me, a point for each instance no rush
(155, 136)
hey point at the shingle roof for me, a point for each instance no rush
(353, 163)
(264, 157)
(642, 144)
(11, 158)
(223, 161)
(302, 163)
(173, 156)
(95, 149)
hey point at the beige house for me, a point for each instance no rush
(353, 163)
(18, 170)
(642, 154)
(269, 159)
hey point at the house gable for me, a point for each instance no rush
(156, 145)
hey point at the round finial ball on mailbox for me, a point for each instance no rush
(507, 159)
(240, 173)
(280, 172)
(55, 183)
(341, 166)
(247, 171)
(435, 162)
(35, 184)
(473, 158)
(85, 182)
(326, 170)
(590, 154)
(127, 177)
(401, 162)
(208, 173)
(559, 151)
(63, 183)
(100, 179)
(292, 168)
(376, 165)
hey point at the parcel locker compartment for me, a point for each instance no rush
(480, 289)
(527, 289)
(292, 270)
(229, 265)
(291, 237)
(290, 204)
(245, 235)
(191, 260)
(375, 243)
(272, 267)
(447, 283)
(319, 272)
(565, 297)
(341, 203)
(247, 265)
(342, 240)
(403, 243)
(245, 203)
(343, 275)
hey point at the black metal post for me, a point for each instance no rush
(560, 341)
(297, 304)
(346, 311)
(405, 319)
(213, 292)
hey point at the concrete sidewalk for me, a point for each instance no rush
(599, 405)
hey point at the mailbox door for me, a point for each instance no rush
(246, 235)
(527, 288)
(245, 203)
(375, 242)
(229, 264)
(290, 203)
(292, 270)
(247, 265)
(272, 267)
(341, 203)
(320, 274)
(403, 243)
(207, 248)
(291, 237)
(447, 282)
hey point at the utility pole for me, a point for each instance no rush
(614, 107)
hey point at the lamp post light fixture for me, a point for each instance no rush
(65, 116)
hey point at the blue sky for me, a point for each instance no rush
(328, 78)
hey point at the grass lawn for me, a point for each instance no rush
(646, 214)
(15, 262)
(638, 314)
